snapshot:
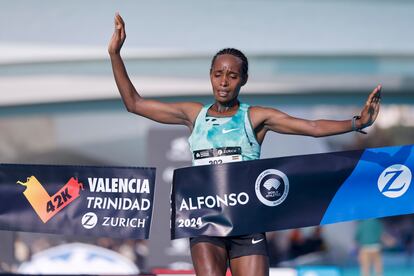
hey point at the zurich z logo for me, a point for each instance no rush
(394, 181)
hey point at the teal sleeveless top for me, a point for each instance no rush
(217, 140)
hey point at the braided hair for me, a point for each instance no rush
(236, 53)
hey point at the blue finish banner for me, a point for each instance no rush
(77, 200)
(291, 192)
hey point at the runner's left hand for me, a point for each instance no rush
(371, 108)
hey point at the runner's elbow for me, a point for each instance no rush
(130, 108)
(315, 131)
(133, 106)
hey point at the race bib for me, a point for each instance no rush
(217, 156)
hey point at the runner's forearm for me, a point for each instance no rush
(329, 127)
(125, 87)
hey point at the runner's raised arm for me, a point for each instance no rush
(264, 119)
(183, 113)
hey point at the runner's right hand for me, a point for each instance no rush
(118, 36)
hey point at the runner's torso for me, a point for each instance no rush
(217, 140)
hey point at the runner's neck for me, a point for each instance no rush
(221, 110)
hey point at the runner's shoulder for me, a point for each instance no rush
(191, 109)
(259, 114)
(192, 106)
(261, 111)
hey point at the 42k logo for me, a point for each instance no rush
(47, 206)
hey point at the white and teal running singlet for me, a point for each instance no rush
(217, 140)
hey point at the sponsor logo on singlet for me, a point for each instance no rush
(217, 156)
(225, 131)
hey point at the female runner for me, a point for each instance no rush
(228, 123)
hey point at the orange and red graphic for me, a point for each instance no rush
(47, 206)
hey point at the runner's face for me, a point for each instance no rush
(226, 78)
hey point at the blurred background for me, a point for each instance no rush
(311, 59)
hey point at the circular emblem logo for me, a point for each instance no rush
(394, 181)
(272, 187)
(89, 220)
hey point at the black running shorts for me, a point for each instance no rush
(237, 246)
